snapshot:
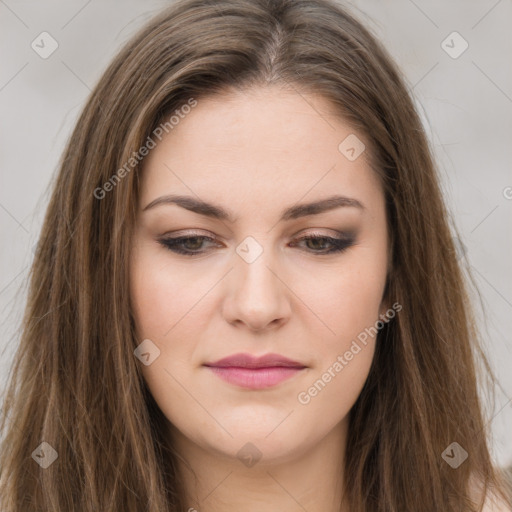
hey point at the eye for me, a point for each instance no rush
(336, 244)
(193, 245)
(181, 245)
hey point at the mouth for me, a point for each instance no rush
(251, 372)
(255, 378)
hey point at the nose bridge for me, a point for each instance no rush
(258, 294)
(254, 264)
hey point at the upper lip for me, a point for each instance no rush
(249, 361)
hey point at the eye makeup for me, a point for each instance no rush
(315, 243)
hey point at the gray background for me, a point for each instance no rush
(466, 104)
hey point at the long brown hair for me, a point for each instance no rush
(76, 384)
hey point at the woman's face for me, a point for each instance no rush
(253, 286)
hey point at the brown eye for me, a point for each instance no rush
(319, 244)
(181, 244)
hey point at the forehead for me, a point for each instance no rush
(255, 147)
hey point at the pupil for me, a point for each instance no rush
(194, 246)
(317, 243)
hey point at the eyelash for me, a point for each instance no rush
(339, 244)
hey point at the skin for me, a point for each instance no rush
(255, 153)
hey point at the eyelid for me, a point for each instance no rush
(187, 233)
(305, 232)
(340, 239)
(339, 243)
(337, 234)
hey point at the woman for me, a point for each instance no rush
(246, 294)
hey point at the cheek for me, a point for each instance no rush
(350, 305)
(152, 292)
(162, 299)
(343, 302)
(170, 309)
(331, 392)
(162, 294)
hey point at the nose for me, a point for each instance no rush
(257, 294)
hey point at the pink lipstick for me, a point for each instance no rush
(251, 372)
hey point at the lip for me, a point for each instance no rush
(250, 361)
(251, 372)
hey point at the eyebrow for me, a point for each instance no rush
(293, 212)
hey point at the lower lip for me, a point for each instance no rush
(255, 378)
